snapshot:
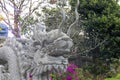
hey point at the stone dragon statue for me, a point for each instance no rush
(35, 57)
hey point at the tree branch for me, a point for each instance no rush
(86, 51)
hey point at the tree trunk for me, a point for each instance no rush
(16, 30)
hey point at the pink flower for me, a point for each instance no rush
(69, 77)
(51, 78)
(76, 79)
(71, 68)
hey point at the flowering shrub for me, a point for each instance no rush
(72, 73)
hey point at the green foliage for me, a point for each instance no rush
(72, 73)
(115, 78)
(101, 16)
(27, 22)
(111, 79)
(76, 73)
(53, 18)
(101, 20)
(115, 71)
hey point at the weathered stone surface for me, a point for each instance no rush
(36, 57)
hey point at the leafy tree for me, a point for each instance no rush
(101, 21)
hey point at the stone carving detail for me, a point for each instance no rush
(36, 57)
